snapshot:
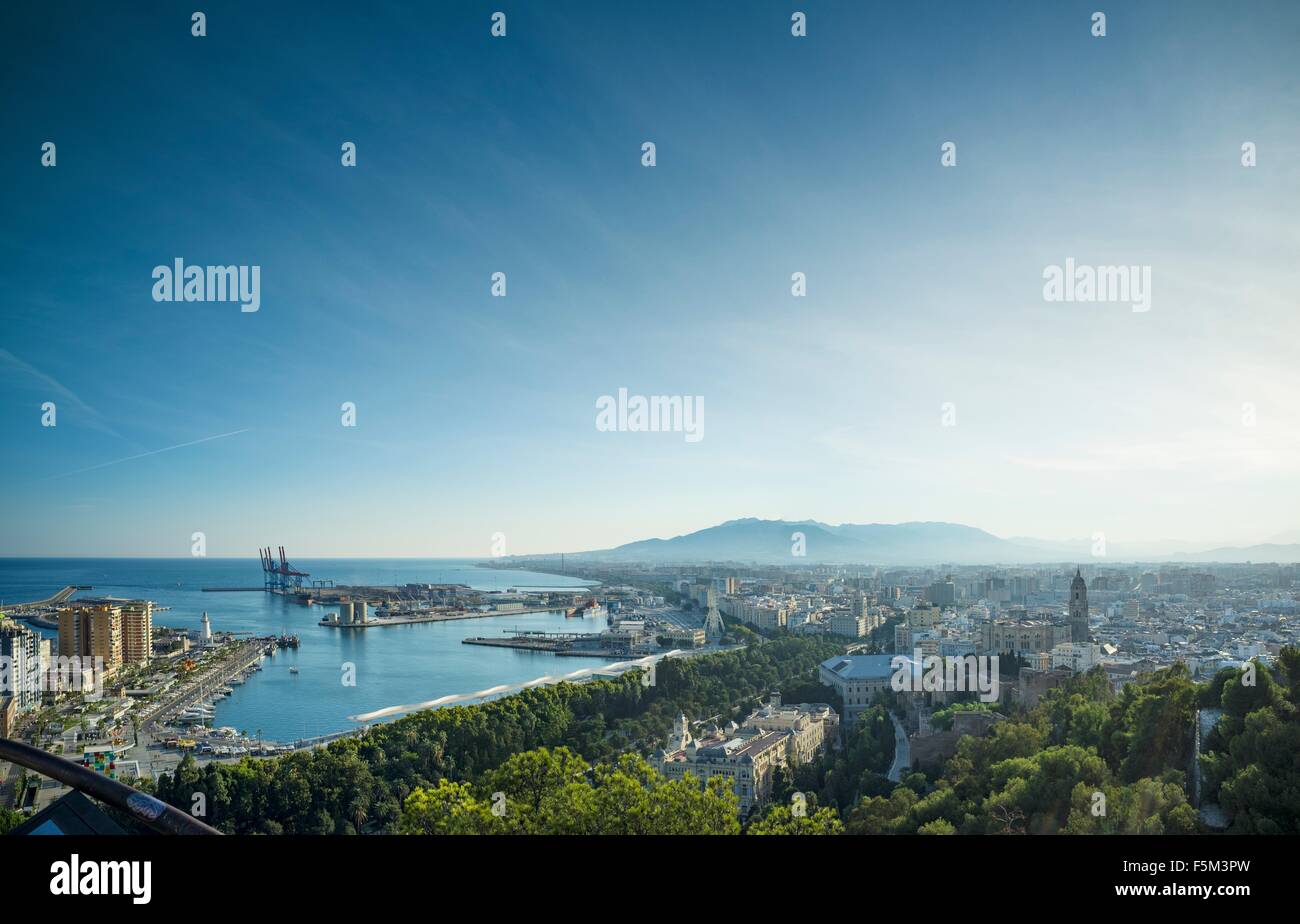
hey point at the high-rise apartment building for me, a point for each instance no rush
(847, 624)
(69, 633)
(104, 633)
(20, 665)
(137, 631)
(117, 633)
(942, 593)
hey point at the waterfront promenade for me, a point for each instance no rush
(902, 752)
(201, 686)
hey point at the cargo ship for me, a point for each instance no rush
(589, 608)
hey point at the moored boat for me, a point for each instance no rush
(591, 607)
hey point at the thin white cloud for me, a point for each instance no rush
(16, 368)
(152, 452)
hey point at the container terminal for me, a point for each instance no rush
(376, 606)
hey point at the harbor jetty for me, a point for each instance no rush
(411, 618)
(554, 642)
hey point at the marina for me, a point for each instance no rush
(194, 701)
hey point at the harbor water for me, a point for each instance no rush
(392, 665)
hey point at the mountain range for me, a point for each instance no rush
(917, 543)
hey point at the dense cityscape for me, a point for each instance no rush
(877, 684)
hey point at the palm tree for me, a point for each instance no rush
(360, 813)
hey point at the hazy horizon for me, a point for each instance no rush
(1172, 546)
(923, 377)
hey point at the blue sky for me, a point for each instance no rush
(522, 154)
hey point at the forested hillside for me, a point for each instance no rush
(359, 784)
(570, 759)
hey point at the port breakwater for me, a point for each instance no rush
(557, 642)
(376, 622)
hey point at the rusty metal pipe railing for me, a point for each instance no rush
(153, 813)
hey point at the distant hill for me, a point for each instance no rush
(917, 543)
(771, 541)
(1264, 552)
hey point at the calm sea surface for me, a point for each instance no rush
(394, 665)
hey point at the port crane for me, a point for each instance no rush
(280, 576)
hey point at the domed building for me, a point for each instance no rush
(749, 753)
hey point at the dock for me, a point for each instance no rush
(375, 622)
(531, 641)
(561, 644)
(197, 689)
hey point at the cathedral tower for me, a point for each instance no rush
(1078, 608)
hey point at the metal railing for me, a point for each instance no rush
(153, 813)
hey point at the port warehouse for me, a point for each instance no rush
(646, 629)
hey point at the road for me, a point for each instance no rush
(196, 688)
(902, 755)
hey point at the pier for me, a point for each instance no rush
(193, 690)
(533, 641)
(375, 622)
(61, 597)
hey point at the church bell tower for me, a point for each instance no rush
(1078, 608)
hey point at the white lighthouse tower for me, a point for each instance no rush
(205, 631)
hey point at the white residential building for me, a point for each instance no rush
(1077, 656)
